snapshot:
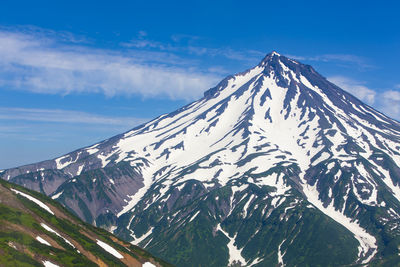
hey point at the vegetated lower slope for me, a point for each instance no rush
(37, 231)
(273, 166)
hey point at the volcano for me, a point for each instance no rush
(274, 166)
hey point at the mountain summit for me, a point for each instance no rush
(273, 166)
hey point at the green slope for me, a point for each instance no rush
(33, 233)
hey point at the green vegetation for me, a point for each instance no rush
(308, 237)
(20, 225)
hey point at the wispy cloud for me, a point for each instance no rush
(393, 95)
(186, 44)
(227, 52)
(64, 116)
(386, 101)
(338, 58)
(43, 33)
(390, 102)
(144, 43)
(356, 88)
(187, 37)
(43, 64)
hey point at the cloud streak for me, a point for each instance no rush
(386, 101)
(40, 64)
(390, 102)
(190, 49)
(338, 58)
(64, 116)
(355, 88)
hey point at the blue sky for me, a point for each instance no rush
(74, 73)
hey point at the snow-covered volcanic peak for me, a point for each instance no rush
(280, 113)
(277, 112)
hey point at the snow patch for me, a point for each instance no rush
(54, 232)
(246, 206)
(36, 201)
(235, 254)
(324, 156)
(57, 195)
(143, 237)
(330, 165)
(91, 150)
(104, 159)
(109, 249)
(49, 264)
(148, 264)
(194, 216)
(388, 181)
(112, 229)
(280, 255)
(41, 240)
(80, 168)
(368, 246)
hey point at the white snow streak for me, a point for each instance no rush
(57, 195)
(280, 255)
(143, 237)
(36, 201)
(367, 241)
(41, 240)
(54, 232)
(194, 216)
(49, 264)
(388, 181)
(235, 254)
(109, 249)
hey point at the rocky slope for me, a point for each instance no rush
(273, 166)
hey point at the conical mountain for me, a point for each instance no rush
(275, 165)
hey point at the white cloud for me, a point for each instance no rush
(355, 88)
(340, 57)
(386, 101)
(392, 95)
(218, 69)
(64, 116)
(390, 102)
(41, 64)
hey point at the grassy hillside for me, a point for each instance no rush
(36, 230)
